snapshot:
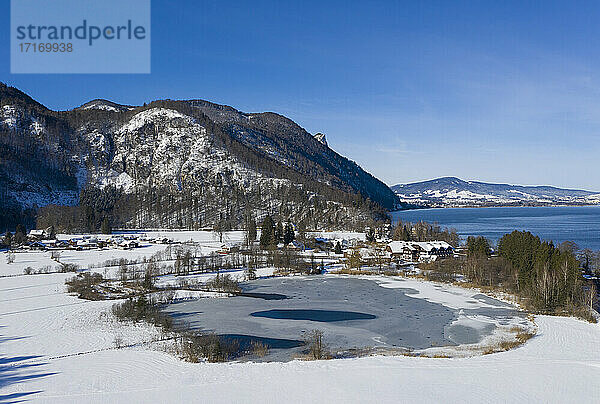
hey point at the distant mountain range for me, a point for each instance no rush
(454, 192)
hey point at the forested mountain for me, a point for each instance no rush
(451, 191)
(105, 105)
(183, 164)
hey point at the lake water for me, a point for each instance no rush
(580, 224)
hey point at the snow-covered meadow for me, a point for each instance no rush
(56, 348)
(205, 242)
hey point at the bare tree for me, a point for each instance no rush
(123, 270)
(354, 261)
(592, 295)
(316, 346)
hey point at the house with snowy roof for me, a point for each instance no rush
(414, 251)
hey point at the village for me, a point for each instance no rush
(333, 250)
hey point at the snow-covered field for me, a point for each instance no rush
(206, 242)
(55, 348)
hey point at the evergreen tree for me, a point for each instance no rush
(520, 248)
(20, 234)
(20, 229)
(313, 266)
(338, 248)
(279, 232)
(478, 247)
(406, 234)
(8, 238)
(251, 230)
(547, 275)
(106, 228)
(288, 235)
(267, 232)
(251, 273)
(301, 232)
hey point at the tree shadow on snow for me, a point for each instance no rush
(15, 397)
(18, 370)
(6, 339)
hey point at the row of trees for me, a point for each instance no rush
(546, 277)
(549, 276)
(423, 231)
(272, 234)
(216, 205)
(590, 260)
(17, 238)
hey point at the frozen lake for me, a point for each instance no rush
(351, 312)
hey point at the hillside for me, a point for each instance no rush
(175, 164)
(454, 192)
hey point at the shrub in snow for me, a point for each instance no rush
(194, 348)
(10, 257)
(84, 285)
(142, 309)
(223, 283)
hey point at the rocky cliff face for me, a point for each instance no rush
(175, 164)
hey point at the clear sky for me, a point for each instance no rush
(497, 91)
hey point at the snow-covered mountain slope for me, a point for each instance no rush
(39, 164)
(281, 139)
(174, 164)
(178, 151)
(454, 192)
(105, 105)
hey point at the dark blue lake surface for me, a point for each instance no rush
(325, 316)
(580, 224)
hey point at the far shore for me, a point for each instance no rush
(497, 206)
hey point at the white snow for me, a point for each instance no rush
(111, 177)
(36, 127)
(149, 116)
(197, 294)
(103, 107)
(447, 295)
(205, 241)
(205, 237)
(9, 116)
(163, 146)
(594, 198)
(56, 348)
(238, 274)
(339, 235)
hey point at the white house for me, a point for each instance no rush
(413, 251)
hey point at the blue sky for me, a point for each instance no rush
(494, 91)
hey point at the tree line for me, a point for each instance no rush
(423, 231)
(547, 278)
